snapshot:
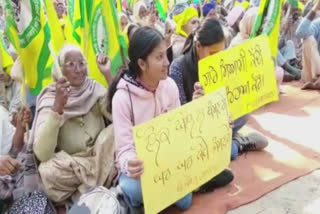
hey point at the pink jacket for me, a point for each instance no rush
(146, 106)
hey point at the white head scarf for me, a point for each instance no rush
(136, 11)
(61, 58)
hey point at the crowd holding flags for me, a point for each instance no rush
(37, 36)
(34, 36)
(92, 25)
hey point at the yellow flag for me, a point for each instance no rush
(11, 28)
(104, 37)
(96, 41)
(115, 46)
(34, 36)
(75, 31)
(57, 37)
(268, 21)
(275, 31)
(31, 38)
(119, 8)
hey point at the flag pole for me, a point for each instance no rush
(24, 104)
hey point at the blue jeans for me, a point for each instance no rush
(288, 52)
(132, 190)
(238, 124)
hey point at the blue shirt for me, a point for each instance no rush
(309, 28)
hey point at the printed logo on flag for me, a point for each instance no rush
(27, 23)
(99, 33)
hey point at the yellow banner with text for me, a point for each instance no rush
(248, 73)
(183, 149)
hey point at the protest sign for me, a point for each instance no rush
(248, 73)
(183, 149)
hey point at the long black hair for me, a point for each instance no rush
(141, 45)
(209, 33)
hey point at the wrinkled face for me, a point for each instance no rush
(192, 25)
(60, 10)
(205, 51)
(75, 68)
(123, 22)
(143, 12)
(155, 67)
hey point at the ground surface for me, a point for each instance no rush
(301, 196)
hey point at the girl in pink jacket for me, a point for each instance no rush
(138, 95)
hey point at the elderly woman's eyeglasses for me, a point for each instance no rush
(72, 65)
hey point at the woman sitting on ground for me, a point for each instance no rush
(72, 137)
(139, 94)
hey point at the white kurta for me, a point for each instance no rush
(7, 131)
(13, 97)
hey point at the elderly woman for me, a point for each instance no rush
(140, 14)
(123, 20)
(71, 137)
(186, 22)
(245, 26)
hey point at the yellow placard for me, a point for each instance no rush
(248, 73)
(183, 149)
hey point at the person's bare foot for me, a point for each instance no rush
(307, 85)
(314, 84)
